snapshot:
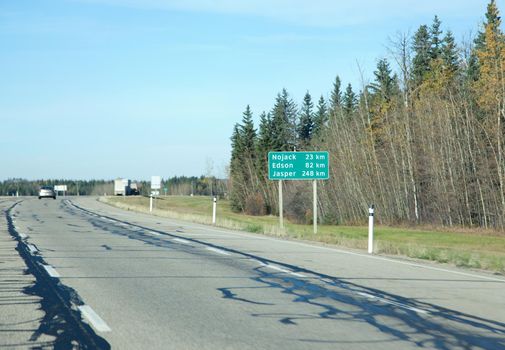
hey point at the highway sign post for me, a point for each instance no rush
(155, 182)
(298, 166)
(155, 187)
(60, 188)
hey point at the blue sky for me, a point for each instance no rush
(134, 88)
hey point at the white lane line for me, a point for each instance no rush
(32, 249)
(219, 251)
(96, 321)
(370, 296)
(336, 250)
(298, 274)
(154, 233)
(51, 271)
(180, 240)
(362, 255)
(277, 268)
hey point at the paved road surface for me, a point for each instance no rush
(102, 277)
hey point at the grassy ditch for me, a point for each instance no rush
(482, 250)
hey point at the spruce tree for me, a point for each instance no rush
(422, 54)
(435, 39)
(284, 117)
(266, 141)
(306, 121)
(248, 134)
(450, 53)
(236, 170)
(493, 19)
(384, 84)
(336, 96)
(349, 100)
(320, 118)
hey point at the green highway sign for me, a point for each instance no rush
(298, 165)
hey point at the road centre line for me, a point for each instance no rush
(96, 321)
(154, 233)
(51, 271)
(215, 250)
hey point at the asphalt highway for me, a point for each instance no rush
(77, 273)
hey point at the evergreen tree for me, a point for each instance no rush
(472, 68)
(248, 134)
(236, 173)
(385, 84)
(450, 53)
(491, 60)
(422, 50)
(321, 117)
(493, 19)
(349, 100)
(284, 117)
(435, 39)
(266, 141)
(336, 96)
(306, 121)
(265, 134)
(492, 23)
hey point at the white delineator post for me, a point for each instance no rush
(314, 185)
(150, 203)
(281, 209)
(214, 208)
(370, 228)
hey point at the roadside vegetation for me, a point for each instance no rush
(424, 140)
(484, 249)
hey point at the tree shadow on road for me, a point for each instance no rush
(406, 320)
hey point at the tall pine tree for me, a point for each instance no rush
(320, 118)
(306, 121)
(422, 54)
(349, 101)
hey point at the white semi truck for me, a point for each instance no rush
(122, 187)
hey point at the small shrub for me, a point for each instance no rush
(254, 228)
(255, 205)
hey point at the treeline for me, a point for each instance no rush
(177, 185)
(25, 187)
(424, 140)
(198, 186)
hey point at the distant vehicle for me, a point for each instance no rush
(122, 187)
(47, 192)
(134, 189)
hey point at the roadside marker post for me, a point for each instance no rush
(314, 209)
(151, 203)
(214, 209)
(281, 207)
(370, 228)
